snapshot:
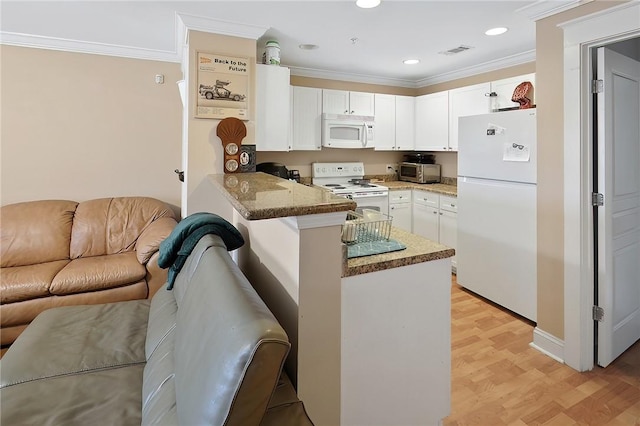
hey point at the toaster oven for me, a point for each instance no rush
(419, 173)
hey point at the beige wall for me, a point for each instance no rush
(204, 153)
(550, 102)
(78, 126)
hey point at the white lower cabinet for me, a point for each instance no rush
(400, 209)
(448, 226)
(436, 217)
(425, 214)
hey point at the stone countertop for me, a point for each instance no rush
(263, 196)
(440, 188)
(418, 250)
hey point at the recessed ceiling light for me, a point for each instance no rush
(411, 61)
(308, 46)
(367, 4)
(496, 31)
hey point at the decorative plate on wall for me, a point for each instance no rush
(231, 131)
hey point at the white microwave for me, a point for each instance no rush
(347, 131)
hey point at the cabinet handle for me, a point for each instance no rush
(444, 147)
(440, 214)
(491, 95)
(346, 111)
(435, 212)
(352, 112)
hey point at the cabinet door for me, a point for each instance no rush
(401, 214)
(448, 228)
(335, 101)
(425, 221)
(504, 91)
(361, 103)
(405, 122)
(469, 100)
(385, 125)
(272, 108)
(432, 122)
(306, 116)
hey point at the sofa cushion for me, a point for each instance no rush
(21, 283)
(85, 337)
(97, 397)
(112, 225)
(98, 273)
(35, 232)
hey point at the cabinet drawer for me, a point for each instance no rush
(425, 198)
(402, 196)
(449, 204)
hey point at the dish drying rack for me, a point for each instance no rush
(365, 227)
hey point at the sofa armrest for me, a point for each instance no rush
(149, 240)
(156, 276)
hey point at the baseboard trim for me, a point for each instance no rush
(548, 344)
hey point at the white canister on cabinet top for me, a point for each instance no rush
(271, 53)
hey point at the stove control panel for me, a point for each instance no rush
(320, 170)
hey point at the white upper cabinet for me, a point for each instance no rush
(272, 108)
(343, 102)
(468, 100)
(432, 122)
(306, 117)
(394, 122)
(405, 123)
(503, 90)
(385, 122)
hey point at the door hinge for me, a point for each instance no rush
(597, 86)
(597, 199)
(598, 313)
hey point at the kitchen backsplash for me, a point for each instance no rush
(375, 162)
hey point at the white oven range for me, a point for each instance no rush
(347, 180)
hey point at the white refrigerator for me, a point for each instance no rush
(496, 253)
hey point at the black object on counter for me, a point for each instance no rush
(275, 169)
(420, 158)
(294, 175)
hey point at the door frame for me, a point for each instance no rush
(580, 36)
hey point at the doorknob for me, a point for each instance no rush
(180, 175)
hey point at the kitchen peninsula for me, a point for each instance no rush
(370, 336)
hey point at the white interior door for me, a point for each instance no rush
(618, 235)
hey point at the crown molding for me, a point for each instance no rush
(343, 76)
(217, 26)
(509, 61)
(68, 45)
(183, 24)
(544, 8)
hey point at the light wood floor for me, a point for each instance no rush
(498, 379)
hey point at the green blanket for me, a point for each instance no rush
(175, 249)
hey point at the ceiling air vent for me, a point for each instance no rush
(461, 48)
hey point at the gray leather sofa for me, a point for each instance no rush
(208, 352)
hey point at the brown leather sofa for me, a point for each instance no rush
(207, 352)
(58, 253)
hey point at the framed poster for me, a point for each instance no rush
(223, 86)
